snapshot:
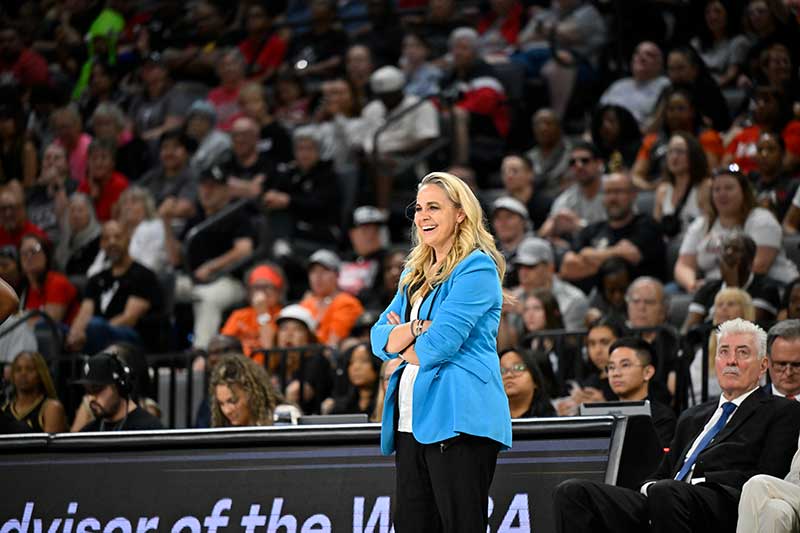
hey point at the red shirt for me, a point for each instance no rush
(56, 289)
(270, 53)
(226, 104)
(14, 238)
(104, 203)
(743, 146)
(29, 69)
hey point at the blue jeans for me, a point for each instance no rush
(101, 334)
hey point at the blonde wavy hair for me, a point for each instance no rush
(236, 369)
(470, 234)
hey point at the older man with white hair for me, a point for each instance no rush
(770, 504)
(717, 447)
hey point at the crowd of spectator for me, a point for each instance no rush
(232, 180)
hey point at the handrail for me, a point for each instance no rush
(48, 320)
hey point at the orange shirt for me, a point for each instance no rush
(743, 145)
(243, 324)
(338, 318)
(709, 139)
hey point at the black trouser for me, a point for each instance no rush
(670, 506)
(443, 487)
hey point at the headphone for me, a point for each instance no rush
(122, 376)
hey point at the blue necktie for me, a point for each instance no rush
(727, 409)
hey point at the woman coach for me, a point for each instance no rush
(445, 412)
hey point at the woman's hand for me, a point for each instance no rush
(393, 318)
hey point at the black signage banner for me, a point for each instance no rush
(274, 480)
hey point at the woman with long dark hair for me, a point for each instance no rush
(43, 287)
(453, 415)
(524, 385)
(363, 379)
(33, 400)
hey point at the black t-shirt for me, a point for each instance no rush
(777, 195)
(275, 143)
(110, 293)
(314, 202)
(218, 238)
(643, 232)
(539, 208)
(138, 419)
(263, 165)
(664, 421)
(764, 295)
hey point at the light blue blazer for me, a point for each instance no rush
(458, 388)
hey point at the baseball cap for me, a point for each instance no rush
(368, 214)
(325, 258)
(204, 108)
(532, 251)
(299, 313)
(387, 79)
(510, 204)
(264, 273)
(214, 174)
(100, 369)
(9, 251)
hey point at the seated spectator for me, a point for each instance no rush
(14, 223)
(108, 385)
(241, 393)
(729, 303)
(47, 200)
(616, 135)
(18, 158)
(633, 237)
(387, 280)
(790, 304)
(291, 101)
(225, 97)
(219, 346)
(137, 211)
(211, 142)
(639, 93)
(772, 112)
(775, 188)
(499, 27)
(44, 288)
(733, 208)
(784, 359)
(273, 139)
(132, 155)
(68, 128)
(480, 108)
(309, 195)
(319, 52)
(581, 203)
(249, 171)
(208, 284)
(255, 326)
(684, 191)
(422, 76)
(400, 138)
(557, 359)
(524, 385)
(387, 368)
(340, 129)
(759, 429)
(33, 399)
(736, 254)
(647, 310)
(334, 311)
(677, 113)
(161, 106)
(516, 172)
(593, 385)
(102, 88)
(686, 67)
(77, 250)
(117, 301)
(263, 48)
(383, 35)
(608, 296)
(23, 65)
(358, 68)
(631, 365)
(173, 183)
(563, 44)
(550, 156)
(369, 240)
(103, 183)
(722, 48)
(510, 225)
(300, 360)
(437, 24)
(363, 371)
(535, 264)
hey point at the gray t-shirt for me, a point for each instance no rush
(589, 209)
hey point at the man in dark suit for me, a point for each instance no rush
(717, 447)
(784, 360)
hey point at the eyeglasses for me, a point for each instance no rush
(513, 370)
(623, 366)
(783, 366)
(582, 160)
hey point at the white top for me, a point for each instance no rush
(637, 97)
(404, 133)
(761, 225)
(776, 392)
(405, 391)
(691, 207)
(696, 374)
(717, 415)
